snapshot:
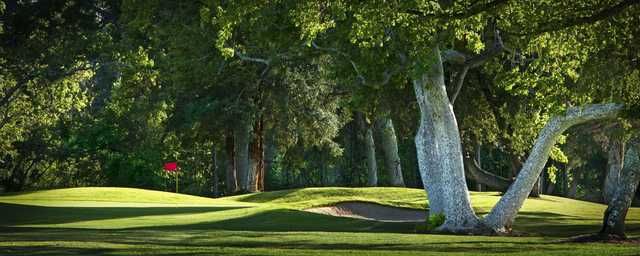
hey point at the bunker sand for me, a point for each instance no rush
(371, 211)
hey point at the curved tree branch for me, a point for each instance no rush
(475, 61)
(484, 177)
(504, 212)
(244, 57)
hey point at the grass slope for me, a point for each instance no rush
(123, 221)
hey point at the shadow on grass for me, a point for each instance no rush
(52, 250)
(285, 220)
(275, 220)
(18, 214)
(194, 242)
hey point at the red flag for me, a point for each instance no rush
(171, 166)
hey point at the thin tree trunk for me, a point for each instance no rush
(565, 182)
(535, 190)
(232, 181)
(241, 140)
(614, 216)
(550, 187)
(479, 160)
(615, 159)
(256, 161)
(439, 151)
(504, 213)
(214, 171)
(370, 151)
(270, 152)
(573, 190)
(390, 149)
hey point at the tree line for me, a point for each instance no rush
(518, 97)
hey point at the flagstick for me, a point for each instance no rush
(176, 181)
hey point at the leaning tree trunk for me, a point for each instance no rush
(389, 144)
(614, 216)
(232, 180)
(439, 151)
(504, 213)
(242, 136)
(615, 159)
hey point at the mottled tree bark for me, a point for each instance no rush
(439, 151)
(365, 134)
(232, 181)
(614, 216)
(504, 213)
(389, 144)
(615, 158)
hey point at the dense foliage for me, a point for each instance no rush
(105, 92)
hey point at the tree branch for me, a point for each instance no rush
(469, 63)
(470, 11)
(459, 82)
(353, 64)
(251, 59)
(556, 26)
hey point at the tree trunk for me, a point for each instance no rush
(573, 190)
(479, 160)
(214, 171)
(390, 150)
(550, 187)
(565, 182)
(256, 161)
(270, 152)
(370, 149)
(232, 181)
(615, 159)
(241, 140)
(439, 151)
(504, 213)
(614, 216)
(535, 190)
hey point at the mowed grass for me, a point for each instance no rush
(123, 221)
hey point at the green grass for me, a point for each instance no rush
(122, 221)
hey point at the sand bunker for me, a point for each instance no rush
(371, 211)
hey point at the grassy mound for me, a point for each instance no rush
(124, 221)
(103, 194)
